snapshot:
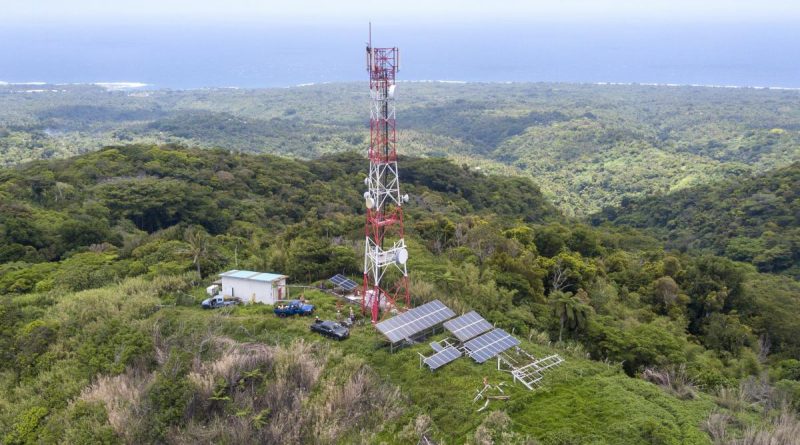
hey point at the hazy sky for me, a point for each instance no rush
(402, 12)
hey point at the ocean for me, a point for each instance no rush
(184, 56)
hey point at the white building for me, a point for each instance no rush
(254, 287)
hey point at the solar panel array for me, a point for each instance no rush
(415, 321)
(468, 326)
(343, 282)
(490, 344)
(442, 357)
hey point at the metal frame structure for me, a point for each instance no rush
(385, 246)
(523, 367)
(531, 373)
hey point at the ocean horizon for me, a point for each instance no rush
(192, 57)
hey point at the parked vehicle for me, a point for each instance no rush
(219, 301)
(330, 329)
(294, 307)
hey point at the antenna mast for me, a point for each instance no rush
(385, 253)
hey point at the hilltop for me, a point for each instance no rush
(106, 256)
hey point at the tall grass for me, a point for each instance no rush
(674, 380)
(752, 392)
(716, 425)
(230, 367)
(361, 400)
(777, 424)
(121, 396)
(253, 393)
(781, 428)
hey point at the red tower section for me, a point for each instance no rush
(385, 254)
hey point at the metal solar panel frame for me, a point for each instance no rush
(468, 326)
(414, 321)
(490, 345)
(442, 357)
(343, 282)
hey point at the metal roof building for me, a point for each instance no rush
(254, 287)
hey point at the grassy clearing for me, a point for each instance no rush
(583, 401)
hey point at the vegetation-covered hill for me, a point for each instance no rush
(587, 146)
(756, 219)
(50, 209)
(106, 255)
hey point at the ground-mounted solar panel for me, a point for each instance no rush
(442, 357)
(490, 344)
(468, 326)
(414, 321)
(342, 281)
(337, 279)
(436, 346)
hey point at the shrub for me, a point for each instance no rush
(88, 423)
(25, 426)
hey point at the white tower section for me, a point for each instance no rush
(385, 253)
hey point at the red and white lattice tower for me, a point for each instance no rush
(385, 254)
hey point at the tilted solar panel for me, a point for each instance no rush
(442, 357)
(490, 344)
(468, 326)
(415, 321)
(343, 282)
(349, 285)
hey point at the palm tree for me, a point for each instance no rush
(197, 239)
(572, 310)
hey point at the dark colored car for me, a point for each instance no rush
(330, 329)
(294, 307)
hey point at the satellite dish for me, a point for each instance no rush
(401, 257)
(405, 197)
(366, 180)
(370, 203)
(391, 91)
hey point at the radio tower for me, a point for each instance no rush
(385, 253)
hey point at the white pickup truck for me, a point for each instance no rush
(219, 301)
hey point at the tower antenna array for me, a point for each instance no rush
(385, 253)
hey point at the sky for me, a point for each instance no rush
(399, 12)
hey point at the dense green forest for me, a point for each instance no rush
(587, 146)
(752, 219)
(105, 257)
